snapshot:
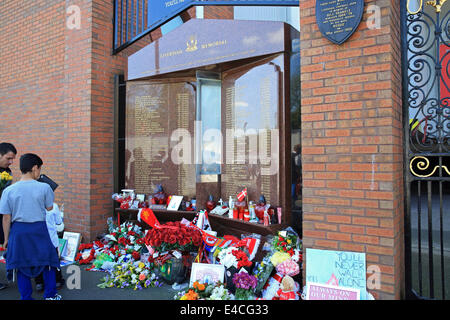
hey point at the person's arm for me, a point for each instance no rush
(6, 226)
(5, 211)
(49, 198)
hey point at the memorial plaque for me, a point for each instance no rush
(339, 19)
(250, 104)
(154, 113)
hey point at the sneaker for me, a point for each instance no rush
(56, 297)
(3, 286)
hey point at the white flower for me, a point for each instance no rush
(227, 258)
(219, 293)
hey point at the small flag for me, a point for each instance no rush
(241, 196)
(147, 215)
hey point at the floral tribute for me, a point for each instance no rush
(285, 242)
(205, 291)
(136, 275)
(245, 285)
(236, 256)
(262, 272)
(174, 236)
(86, 253)
(126, 239)
(119, 254)
(5, 179)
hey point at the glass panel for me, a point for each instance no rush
(250, 103)
(208, 115)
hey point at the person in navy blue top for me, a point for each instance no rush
(30, 250)
(7, 155)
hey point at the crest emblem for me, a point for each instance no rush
(191, 44)
(338, 20)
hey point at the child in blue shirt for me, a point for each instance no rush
(29, 248)
(53, 218)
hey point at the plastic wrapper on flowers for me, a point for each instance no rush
(288, 268)
(286, 241)
(262, 272)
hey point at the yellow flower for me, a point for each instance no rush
(279, 257)
(5, 176)
(141, 265)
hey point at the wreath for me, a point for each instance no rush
(83, 247)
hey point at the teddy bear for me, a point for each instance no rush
(288, 289)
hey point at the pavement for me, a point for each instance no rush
(88, 289)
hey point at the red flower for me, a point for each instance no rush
(122, 241)
(136, 255)
(172, 239)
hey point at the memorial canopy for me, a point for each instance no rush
(198, 43)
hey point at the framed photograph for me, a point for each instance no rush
(62, 247)
(140, 197)
(134, 204)
(174, 203)
(205, 272)
(73, 242)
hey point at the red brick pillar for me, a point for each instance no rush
(76, 103)
(352, 143)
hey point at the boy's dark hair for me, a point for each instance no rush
(6, 147)
(28, 161)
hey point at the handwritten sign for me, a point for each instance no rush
(337, 268)
(339, 19)
(317, 291)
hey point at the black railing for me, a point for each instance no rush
(426, 99)
(133, 19)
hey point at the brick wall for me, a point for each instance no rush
(352, 142)
(31, 82)
(218, 12)
(56, 96)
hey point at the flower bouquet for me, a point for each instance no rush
(219, 292)
(128, 238)
(262, 272)
(196, 292)
(205, 291)
(136, 275)
(245, 285)
(285, 242)
(5, 180)
(234, 257)
(174, 236)
(170, 247)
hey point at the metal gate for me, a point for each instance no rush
(426, 100)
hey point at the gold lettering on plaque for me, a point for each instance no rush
(191, 44)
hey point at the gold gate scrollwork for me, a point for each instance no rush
(423, 165)
(437, 4)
